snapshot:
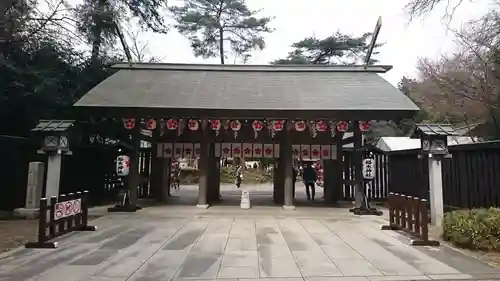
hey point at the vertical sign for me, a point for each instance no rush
(225, 150)
(247, 150)
(368, 168)
(257, 150)
(168, 150)
(159, 150)
(178, 150)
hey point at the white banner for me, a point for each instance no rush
(67, 208)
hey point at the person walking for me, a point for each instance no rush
(309, 177)
(239, 175)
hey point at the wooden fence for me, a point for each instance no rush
(65, 214)
(411, 215)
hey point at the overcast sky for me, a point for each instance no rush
(296, 19)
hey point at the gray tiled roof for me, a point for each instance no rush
(247, 87)
(435, 130)
(53, 125)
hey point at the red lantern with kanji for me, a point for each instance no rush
(193, 125)
(151, 124)
(215, 125)
(257, 126)
(321, 126)
(278, 125)
(128, 123)
(300, 126)
(342, 126)
(172, 124)
(235, 126)
(365, 126)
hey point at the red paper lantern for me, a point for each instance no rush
(257, 125)
(172, 124)
(278, 125)
(151, 124)
(300, 126)
(128, 123)
(321, 126)
(365, 126)
(193, 125)
(215, 124)
(235, 125)
(342, 126)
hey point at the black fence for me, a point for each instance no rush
(90, 167)
(380, 185)
(471, 177)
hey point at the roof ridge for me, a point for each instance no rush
(255, 67)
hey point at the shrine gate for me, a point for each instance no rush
(250, 111)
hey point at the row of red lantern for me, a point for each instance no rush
(257, 125)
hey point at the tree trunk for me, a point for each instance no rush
(97, 32)
(221, 45)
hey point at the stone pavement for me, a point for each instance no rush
(228, 244)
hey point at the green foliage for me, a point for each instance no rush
(477, 229)
(97, 19)
(336, 49)
(211, 24)
(41, 77)
(227, 175)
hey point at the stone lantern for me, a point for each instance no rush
(55, 135)
(434, 144)
(433, 138)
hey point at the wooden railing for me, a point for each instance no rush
(411, 215)
(66, 214)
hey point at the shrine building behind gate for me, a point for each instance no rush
(252, 111)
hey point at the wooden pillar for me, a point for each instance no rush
(357, 162)
(204, 165)
(156, 172)
(288, 170)
(217, 177)
(337, 169)
(133, 176)
(278, 187)
(328, 180)
(213, 193)
(165, 179)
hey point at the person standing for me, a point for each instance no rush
(309, 177)
(294, 175)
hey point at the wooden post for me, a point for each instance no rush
(52, 226)
(357, 161)
(409, 211)
(416, 204)
(397, 209)
(288, 171)
(390, 200)
(203, 166)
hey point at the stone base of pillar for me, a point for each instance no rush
(126, 208)
(206, 206)
(366, 212)
(288, 208)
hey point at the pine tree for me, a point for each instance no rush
(214, 26)
(336, 49)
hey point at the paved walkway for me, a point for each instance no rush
(228, 244)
